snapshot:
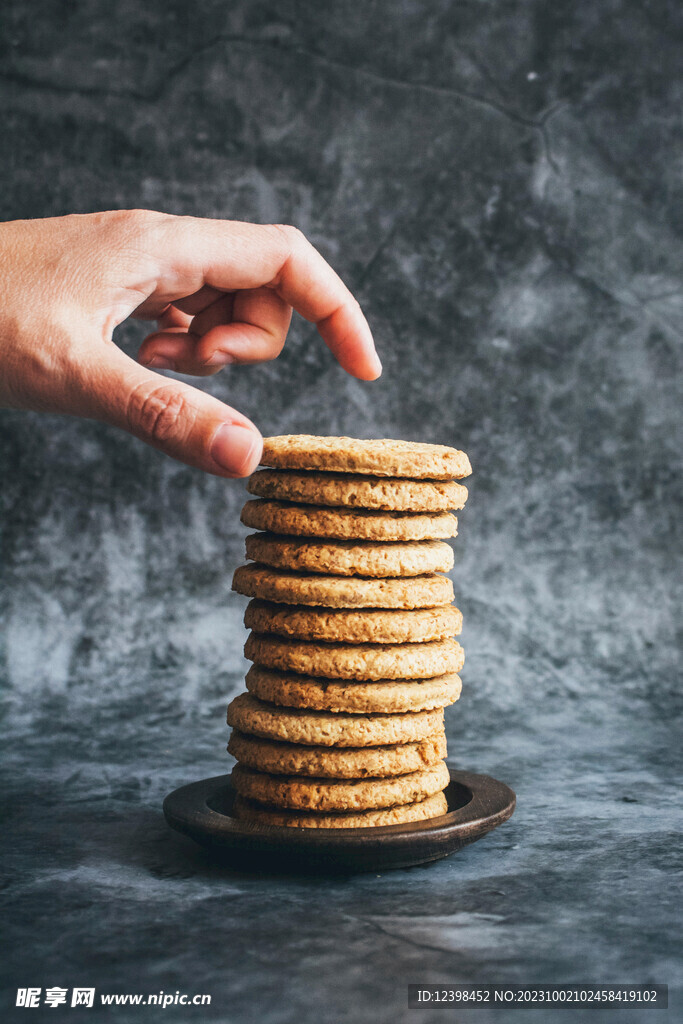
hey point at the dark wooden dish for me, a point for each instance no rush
(202, 810)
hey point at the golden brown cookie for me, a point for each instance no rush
(279, 758)
(387, 696)
(356, 661)
(341, 591)
(339, 794)
(431, 807)
(348, 557)
(325, 729)
(347, 523)
(348, 625)
(375, 457)
(393, 493)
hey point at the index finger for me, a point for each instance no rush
(232, 255)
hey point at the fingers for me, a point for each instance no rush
(173, 417)
(310, 285)
(260, 321)
(174, 350)
(196, 254)
(247, 327)
(172, 318)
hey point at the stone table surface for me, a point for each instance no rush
(499, 183)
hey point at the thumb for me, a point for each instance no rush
(174, 417)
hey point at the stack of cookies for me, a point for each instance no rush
(352, 642)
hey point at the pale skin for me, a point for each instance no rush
(220, 292)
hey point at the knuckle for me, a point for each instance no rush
(134, 222)
(141, 217)
(161, 414)
(293, 236)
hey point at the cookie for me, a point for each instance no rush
(280, 586)
(431, 807)
(363, 662)
(350, 558)
(375, 457)
(279, 758)
(392, 493)
(347, 625)
(325, 729)
(387, 696)
(339, 794)
(347, 523)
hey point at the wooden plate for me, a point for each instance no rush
(202, 810)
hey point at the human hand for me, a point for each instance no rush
(220, 291)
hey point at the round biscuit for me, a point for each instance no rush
(322, 728)
(347, 523)
(339, 794)
(392, 493)
(422, 810)
(278, 758)
(350, 558)
(348, 625)
(363, 662)
(277, 585)
(378, 457)
(385, 696)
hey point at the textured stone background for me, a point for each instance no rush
(500, 184)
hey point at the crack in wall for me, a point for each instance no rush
(155, 94)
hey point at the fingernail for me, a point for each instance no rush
(220, 359)
(161, 363)
(236, 449)
(377, 364)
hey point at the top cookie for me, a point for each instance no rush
(375, 457)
